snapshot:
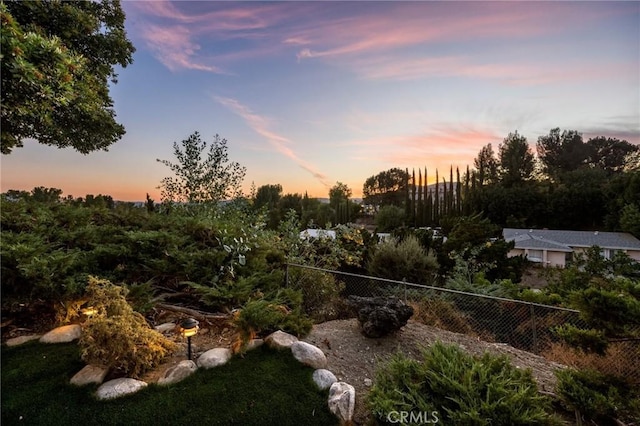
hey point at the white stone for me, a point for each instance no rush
(89, 374)
(214, 357)
(22, 339)
(119, 387)
(342, 401)
(323, 378)
(309, 355)
(178, 372)
(280, 340)
(64, 334)
(368, 382)
(165, 328)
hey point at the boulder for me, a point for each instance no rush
(323, 378)
(64, 334)
(380, 316)
(280, 340)
(89, 374)
(119, 387)
(308, 354)
(342, 401)
(178, 372)
(214, 357)
(22, 339)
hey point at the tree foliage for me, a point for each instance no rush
(57, 61)
(385, 188)
(486, 166)
(561, 152)
(198, 179)
(516, 161)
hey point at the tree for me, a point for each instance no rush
(630, 219)
(561, 153)
(389, 218)
(486, 166)
(339, 196)
(609, 154)
(385, 188)
(58, 59)
(268, 195)
(516, 160)
(198, 181)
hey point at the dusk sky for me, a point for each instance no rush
(310, 93)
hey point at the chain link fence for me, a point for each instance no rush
(524, 325)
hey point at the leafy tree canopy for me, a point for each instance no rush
(57, 61)
(268, 195)
(610, 154)
(486, 166)
(387, 187)
(199, 180)
(516, 161)
(561, 152)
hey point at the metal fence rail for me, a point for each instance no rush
(524, 325)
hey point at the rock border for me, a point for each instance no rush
(341, 399)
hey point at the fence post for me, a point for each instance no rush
(533, 328)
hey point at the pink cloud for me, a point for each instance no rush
(260, 125)
(439, 148)
(174, 48)
(358, 38)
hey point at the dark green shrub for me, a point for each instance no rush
(597, 396)
(405, 260)
(459, 388)
(389, 218)
(262, 317)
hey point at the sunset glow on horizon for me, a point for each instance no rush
(311, 93)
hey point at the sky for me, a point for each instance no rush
(313, 93)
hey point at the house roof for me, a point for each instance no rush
(558, 240)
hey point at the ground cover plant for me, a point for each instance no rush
(263, 387)
(459, 388)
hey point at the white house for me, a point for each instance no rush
(555, 247)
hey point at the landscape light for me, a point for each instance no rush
(189, 327)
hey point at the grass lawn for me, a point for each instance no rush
(265, 387)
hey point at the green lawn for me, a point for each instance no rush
(265, 387)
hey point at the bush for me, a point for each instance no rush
(597, 396)
(403, 260)
(459, 388)
(320, 291)
(389, 218)
(116, 336)
(262, 317)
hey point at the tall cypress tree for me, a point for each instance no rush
(436, 202)
(407, 199)
(420, 218)
(458, 192)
